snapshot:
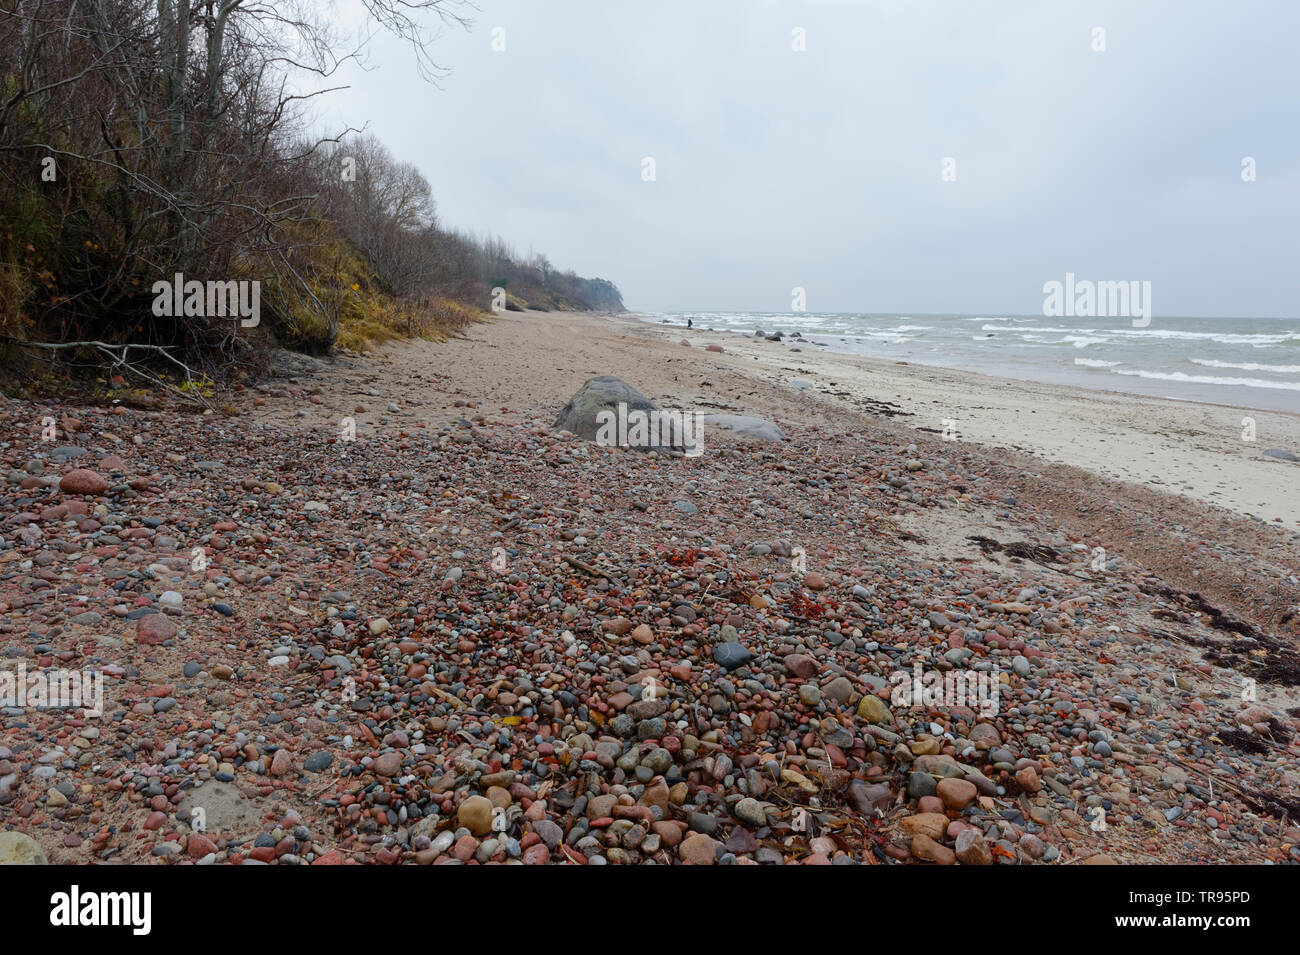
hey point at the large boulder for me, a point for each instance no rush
(756, 428)
(604, 393)
(605, 399)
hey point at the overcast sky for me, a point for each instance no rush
(822, 169)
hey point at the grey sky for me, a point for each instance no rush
(821, 169)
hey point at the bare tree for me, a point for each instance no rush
(176, 130)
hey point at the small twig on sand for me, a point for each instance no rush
(445, 696)
(588, 568)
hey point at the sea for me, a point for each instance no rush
(1247, 362)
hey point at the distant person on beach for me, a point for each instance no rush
(689, 323)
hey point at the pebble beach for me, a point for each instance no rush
(466, 637)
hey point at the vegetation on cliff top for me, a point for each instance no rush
(142, 139)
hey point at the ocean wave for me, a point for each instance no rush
(1096, 363)
(1246, 366)
(1209, 379)
(887, 335)
(1083, 341)
(1223, 338)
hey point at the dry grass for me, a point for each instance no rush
(378, 319)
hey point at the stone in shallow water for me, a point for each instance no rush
(731, 655)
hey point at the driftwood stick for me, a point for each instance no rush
(122, 360)
(588, 568)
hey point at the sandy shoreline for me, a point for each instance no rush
(533, 362)
(1168, 484)
(1185, 448)
(463, 609)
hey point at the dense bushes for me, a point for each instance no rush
(140, 139)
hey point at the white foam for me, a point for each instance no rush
(1096, 363)
(1223, 338)
(1210, 379)
(1246, 366)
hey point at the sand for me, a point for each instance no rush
(530, 363)
(385, 626)
(1167, 484)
